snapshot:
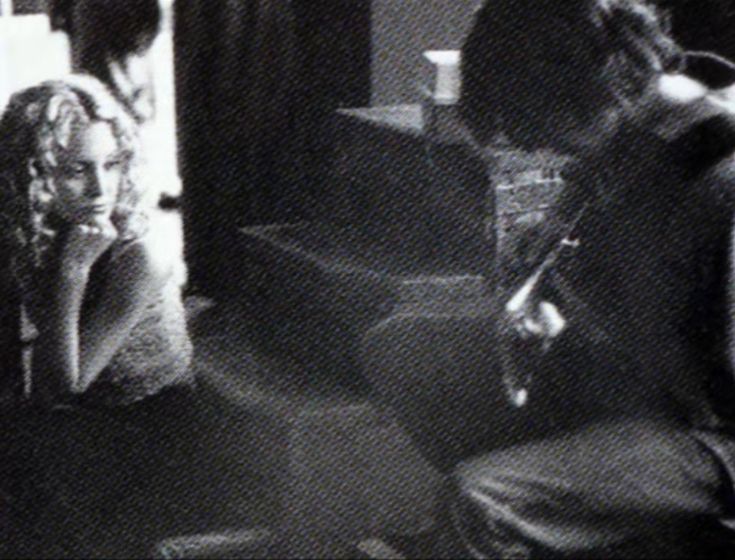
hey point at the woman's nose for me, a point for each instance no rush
(94, 184)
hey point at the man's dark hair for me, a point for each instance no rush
(528, 66)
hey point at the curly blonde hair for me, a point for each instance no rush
(37, 127)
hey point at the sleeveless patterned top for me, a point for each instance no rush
(156, 355)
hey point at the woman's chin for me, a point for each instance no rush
(88, 217)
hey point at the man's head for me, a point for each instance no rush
(543, 70)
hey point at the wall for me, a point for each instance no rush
(159, 136)
(22, 38)
(402, 30)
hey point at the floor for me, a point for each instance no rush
(116, 491)
(274, 451)
(340, 462)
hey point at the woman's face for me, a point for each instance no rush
(89, 174)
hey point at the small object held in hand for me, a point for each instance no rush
(518, 397)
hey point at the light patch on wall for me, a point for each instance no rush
(401, 31)
(29, 53)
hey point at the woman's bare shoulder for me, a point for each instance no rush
(155, 254)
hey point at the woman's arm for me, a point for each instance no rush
(56, 350)
(70, 354)
(136, 278)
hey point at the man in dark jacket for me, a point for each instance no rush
(637, 391)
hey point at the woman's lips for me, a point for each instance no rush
(94, 210)
(97, 208)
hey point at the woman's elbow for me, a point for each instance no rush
(149, 269)
(50, 394)
(54, 384)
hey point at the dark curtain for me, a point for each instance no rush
(237, 85)
(257, 83)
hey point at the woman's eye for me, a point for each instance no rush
(113, 164)
(76, 169)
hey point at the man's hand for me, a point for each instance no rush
(545, 322)
(541, 320)
(530, 321)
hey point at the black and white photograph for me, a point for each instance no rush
(367, 279)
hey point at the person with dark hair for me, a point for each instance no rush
(650, 203)
(618, 439)
(109, 40)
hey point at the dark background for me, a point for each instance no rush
(706, 25)
(256, 89)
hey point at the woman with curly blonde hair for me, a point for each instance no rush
(90, 296)
(94, 278)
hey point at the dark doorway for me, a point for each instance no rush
(257, 83)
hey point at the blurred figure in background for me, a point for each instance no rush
(111, 40)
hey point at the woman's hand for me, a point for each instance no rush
(85, 243)
(71, 353)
